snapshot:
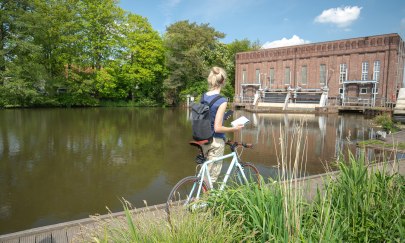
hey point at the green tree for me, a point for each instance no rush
(101, 20)
(90, 43)
(22, 75)
(142, 59)
(189, 57)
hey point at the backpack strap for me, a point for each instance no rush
(212, 101)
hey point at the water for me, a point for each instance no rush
(58, 165)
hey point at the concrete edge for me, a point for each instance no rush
(398, 166)
(79, 222)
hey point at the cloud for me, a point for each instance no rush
(295, 40)
(403, 24)
(172, 3)
(342, 17)
(167, 7)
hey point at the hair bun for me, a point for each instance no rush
(216, 70)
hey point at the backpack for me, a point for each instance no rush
(201, 120)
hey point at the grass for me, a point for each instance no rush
(386, 122)
(359, 205)
(379, 143)
(184, 227)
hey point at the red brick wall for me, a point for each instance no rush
(388, 49)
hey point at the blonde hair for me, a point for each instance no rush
(216, 78)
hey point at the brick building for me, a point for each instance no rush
(354, 70)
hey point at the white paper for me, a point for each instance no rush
(241, 120)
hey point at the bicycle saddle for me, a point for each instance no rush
(198, 143)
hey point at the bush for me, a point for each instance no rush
(359, 206)
(386, 123)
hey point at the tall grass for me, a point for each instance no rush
(153, 227)
(369, 206)
(358, 205)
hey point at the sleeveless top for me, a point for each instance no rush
(213, 110)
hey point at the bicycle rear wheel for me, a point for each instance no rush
(184, 193)
(251, 173)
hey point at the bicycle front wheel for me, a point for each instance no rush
(184, 193)
(251, 173)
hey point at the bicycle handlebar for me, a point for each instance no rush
(234, 145)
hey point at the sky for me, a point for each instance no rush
(275, 23)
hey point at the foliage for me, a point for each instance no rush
(141, 59)
(369, 206)
(201, 227)
(96, 51)
(386, 123)
(399, 145)
(357, 207)
(192, 50)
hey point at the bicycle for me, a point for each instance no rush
(188, 190)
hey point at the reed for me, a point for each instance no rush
(358, 205)
(185, 227)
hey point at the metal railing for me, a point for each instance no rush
(364, 102)
(332, 101)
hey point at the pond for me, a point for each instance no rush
(58, 165)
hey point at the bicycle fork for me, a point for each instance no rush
(236, 164)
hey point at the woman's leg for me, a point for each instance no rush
(214, 150)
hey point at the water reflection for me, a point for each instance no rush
(64, 164)
(325, 137)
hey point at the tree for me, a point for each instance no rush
(189, 57)
(22, 75)
(101, 21)
(142, 59)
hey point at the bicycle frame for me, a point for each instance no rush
(204, 173)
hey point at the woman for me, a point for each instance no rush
(216, 80)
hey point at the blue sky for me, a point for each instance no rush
(278, 23)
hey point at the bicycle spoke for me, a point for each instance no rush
(184, 193)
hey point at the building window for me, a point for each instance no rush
(364, 71)
(340, 91)
(287, 75)
(363, 90)
(322, 72)
(377, 67)
(258, 76)
(244, 76)
(304, 75)
(271, 76)
(343, 73)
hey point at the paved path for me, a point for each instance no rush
(397, 137)
(81, 230)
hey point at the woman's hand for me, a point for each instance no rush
(238, 127)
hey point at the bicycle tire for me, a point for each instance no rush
(251, 172)
(181, 191)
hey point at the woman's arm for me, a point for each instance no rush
(218, 127)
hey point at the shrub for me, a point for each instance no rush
(386, 123)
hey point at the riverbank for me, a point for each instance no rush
(81, 230)
(393, 142)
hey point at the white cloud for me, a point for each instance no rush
(167, 8)
(403, 24)
(295, 40)
(342, 17)
(172, 3)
